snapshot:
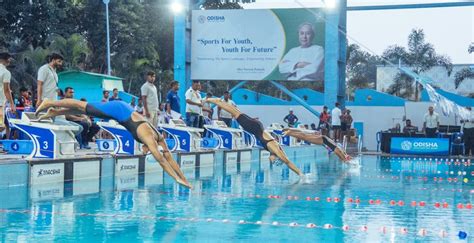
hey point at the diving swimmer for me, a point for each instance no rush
(136, 124)
(255, 127)
(318, 139)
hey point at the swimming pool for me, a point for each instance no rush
(386, 199)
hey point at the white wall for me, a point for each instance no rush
(375, 118)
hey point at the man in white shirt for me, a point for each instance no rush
(468, 133)
(48, 78)
(336, 121)
(194, 105)
(224, 115)
(150, 99)
(305, 62)
(431, 123)
(5, 91)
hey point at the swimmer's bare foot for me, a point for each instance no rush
(45, 104)
(52, 112)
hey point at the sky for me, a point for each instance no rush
(450, 30)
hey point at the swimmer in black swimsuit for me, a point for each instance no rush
(255, 127)
(135, 123)
(318, 139)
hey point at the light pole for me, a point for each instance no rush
(106, 2)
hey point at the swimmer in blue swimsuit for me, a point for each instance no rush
(136, 124)
(319, 140)
(255, 127)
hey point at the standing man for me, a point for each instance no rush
(336, 121)
(193, 104)
(468, 131)
(48, 78)
(291, 119)
(206, 107)
(5, 91)
(223, 115)
(172, 101)
(431, 123)
(114, 95)
(150, 99)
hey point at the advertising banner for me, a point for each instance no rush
(278, 44)
(427, 146)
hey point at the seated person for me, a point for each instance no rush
(409, 128)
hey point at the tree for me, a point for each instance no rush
(75, 50)
(361, 69)
(465, 73)
(420, 57)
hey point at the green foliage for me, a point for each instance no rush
(141, 37)
(465, 73)
(361, 69)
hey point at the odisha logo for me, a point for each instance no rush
(215, 19)
(201, 19)
(42, 172)
(425, 145)
(128, 167)
(406, 145)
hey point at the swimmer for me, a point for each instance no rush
(255, 127)
(136, 124)
(319, 140)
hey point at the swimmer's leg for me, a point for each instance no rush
(223, 105)
(65, 103)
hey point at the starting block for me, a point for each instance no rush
(49, 140)
(124, 141)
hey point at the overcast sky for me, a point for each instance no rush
(450, 30)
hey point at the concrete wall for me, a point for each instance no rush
(375, 118)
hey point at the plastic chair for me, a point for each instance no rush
(378, 137)
(457, 141)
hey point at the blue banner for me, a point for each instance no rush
(426, 146)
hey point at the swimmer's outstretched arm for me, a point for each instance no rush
(148, 136)
(275, 149)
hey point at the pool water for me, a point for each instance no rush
(385, 199)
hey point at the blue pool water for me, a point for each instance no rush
(236, 206)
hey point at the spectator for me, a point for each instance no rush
(114, 95)
(193, 105)
(346, 122)
(150, 99)
(224, 115)
(206, 107)
(336, 122)
(84, 121)
(313, 126)
(25, 99)
(291, 119)
(48, 78)
(324, 118)
(431, 123)
(105, 96)
(306, 126)
(133, 103)
(139, 106)
(468, 131)
(409, 128)
(172, 101)
(5, 91)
